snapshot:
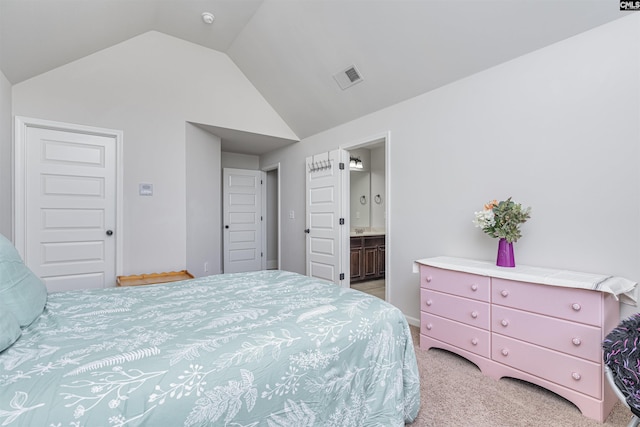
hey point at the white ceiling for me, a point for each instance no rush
(290, 49)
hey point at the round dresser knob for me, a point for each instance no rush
(576, 341)
(474, 314)
(505, 352)
(504, 293)
(576, 376)
(428, 279)
(429, 326)
(474, 341)
(504, 322)
(576, 306)
(474, 287)
(429, 302)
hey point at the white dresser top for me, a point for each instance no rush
(618, 286)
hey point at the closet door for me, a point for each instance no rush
(243, 192)
(66, 217)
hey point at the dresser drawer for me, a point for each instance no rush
(458, 334)
(576, 305)
(576, 339)
(568, 371)
(456, 283)
(469, 311)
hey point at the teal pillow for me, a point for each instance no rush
(9, 328)
(21, 291)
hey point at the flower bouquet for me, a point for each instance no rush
(502, 220)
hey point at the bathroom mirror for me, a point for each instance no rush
(360, 199)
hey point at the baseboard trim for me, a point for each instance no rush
(272, 264)
(412, 321)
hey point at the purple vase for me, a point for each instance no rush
(505, 254)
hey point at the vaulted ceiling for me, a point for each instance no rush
(290, 49)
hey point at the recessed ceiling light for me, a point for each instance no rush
(208, 18)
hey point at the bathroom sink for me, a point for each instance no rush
(367, 233)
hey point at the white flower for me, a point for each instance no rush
(484, 218)
(117, 419)
(79, 411)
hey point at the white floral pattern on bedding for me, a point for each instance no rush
(268, 348)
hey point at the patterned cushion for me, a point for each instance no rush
(21, 291)
(620, 352)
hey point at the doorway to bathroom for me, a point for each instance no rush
(368, 209)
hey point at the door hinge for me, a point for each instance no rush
(261, 218)
(341, 221)
(261, 254)
(260, 182)
(341, 165)
(341, 276)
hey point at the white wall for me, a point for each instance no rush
(203, 195)
(556, 129)
(240, 161)
(5, 157)
(148, 87)
(378, 210)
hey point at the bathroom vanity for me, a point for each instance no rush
(367, 256)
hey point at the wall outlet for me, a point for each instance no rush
(206, 266)
(292, 214)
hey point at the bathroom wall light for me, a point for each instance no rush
(355, 163)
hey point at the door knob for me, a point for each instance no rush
(226, 226)
(306, 230)
(109, 232)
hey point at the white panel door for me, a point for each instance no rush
(70, 208)
(325, 184)
(242, 195)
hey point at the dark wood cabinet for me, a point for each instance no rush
(381, 261)
(367, 257)
(356, 264)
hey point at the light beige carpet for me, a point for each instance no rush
(455, 393)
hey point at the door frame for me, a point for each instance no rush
(22, 124)
(363, 143)
(265, 169)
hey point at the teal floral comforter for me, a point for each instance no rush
(268, 348)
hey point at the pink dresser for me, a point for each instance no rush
(545, 334)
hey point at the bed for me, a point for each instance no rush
(268, 348)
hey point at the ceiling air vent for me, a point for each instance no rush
(348, 77)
